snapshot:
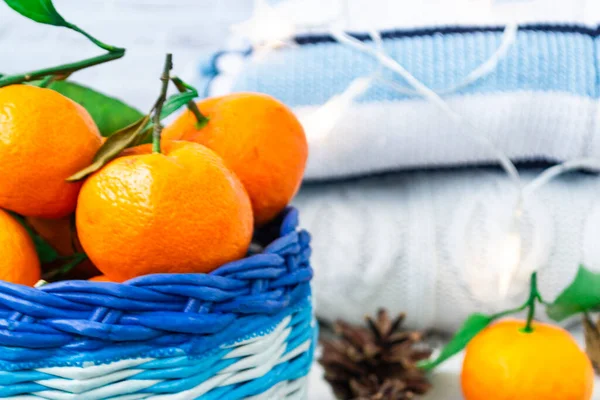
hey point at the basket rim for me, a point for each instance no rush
(160, 308)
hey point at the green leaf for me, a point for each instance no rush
(131, 135)
(583, 294)
(41, 11)
(110, 114)
(201, 119)
(471, 327)
(175, 102)
(181, 85)
(45, 252)
(114, 145)
(70, 263)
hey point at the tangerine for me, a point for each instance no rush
(20, 263)
(259, 138)
(505, 363)
(44, 139)
(58, 233)
(101, 278)
(180, 211)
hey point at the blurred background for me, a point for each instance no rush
(433, 126)
(190, 28)
(403, 193)
(147, 29)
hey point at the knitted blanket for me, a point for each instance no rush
(539, 102)
(434, 244)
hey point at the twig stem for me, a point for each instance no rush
(62, 69)
(534, 296)
(159, 103)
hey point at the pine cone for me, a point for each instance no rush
(592, 341)
(377, 362)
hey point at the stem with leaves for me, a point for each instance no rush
(160, 102)
(46, 13)
(580, 296)
(147, 127)
(529, 305)
(477, 322)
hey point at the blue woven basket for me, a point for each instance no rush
(245, 330)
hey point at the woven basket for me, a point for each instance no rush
(245, 330)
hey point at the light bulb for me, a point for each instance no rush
(507, 260)
(266, 28)
(320, 123)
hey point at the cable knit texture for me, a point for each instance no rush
(428, 242)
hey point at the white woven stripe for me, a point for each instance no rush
(197, 391)
(297, 351)
(255, 344)
(246, 369)
(302, 392)
(266, 364)
(129, 386)
(287, 390)
(84, 385)
(93, 371)
(257, 356)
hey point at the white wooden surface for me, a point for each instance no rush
(445, 380)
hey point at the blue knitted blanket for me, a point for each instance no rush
(538, 103)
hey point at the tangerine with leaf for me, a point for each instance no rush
(508, 359)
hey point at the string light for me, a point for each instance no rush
(267, 29)
(320, 124)
(508, 253)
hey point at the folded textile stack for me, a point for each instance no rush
(539, 103)
(433, 243)
(426, 94)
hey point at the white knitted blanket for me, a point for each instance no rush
(433, 244)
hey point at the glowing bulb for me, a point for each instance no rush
(266, 27)
(319, 124)
(507, 260)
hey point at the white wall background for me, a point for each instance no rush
(188, 28)
(147, 28)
